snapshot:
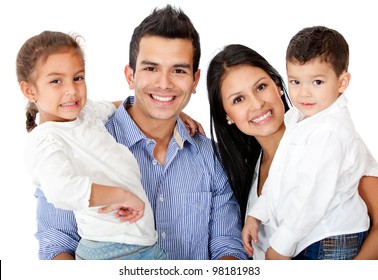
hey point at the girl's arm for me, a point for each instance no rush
(368, 189)
(116, 198)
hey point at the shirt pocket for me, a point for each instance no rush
(195, 217)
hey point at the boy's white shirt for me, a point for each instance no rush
(64, 158)
(313, 152)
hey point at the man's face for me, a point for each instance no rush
(163, 79)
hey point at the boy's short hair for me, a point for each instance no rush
(319, 42)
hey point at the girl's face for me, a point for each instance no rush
(252, 101)
(59, 87)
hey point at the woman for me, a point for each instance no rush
(248, 100)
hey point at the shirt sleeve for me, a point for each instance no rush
(56, 229)
(54, 173)
(371, 163)
(318, 176)
(225, 221)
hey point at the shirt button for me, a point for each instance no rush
(163, 235)
(161, 198)
(154, 162)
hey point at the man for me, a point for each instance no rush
(196, 214)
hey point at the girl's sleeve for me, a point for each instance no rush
(52, 171)
(101, 110)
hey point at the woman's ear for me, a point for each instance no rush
(344, 81)
(29, 91)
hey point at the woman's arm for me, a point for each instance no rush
(368, 189)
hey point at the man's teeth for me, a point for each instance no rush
(263, 117)
(162, 99)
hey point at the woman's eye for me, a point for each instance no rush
(260, 87)
(238, 99)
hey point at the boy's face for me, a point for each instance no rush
(314, 86)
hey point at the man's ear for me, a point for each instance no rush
(344, 81)
(197, 76)
(29, 91)
(129, 74)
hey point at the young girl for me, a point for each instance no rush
(75, 161)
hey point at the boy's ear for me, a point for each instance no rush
(344, 81)
(29, 91)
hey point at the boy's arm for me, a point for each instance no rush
(318, 174)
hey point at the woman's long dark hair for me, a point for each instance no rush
(237, 151)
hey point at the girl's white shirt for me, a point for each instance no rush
(65, 158)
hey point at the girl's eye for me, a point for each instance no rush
(55, 81)
(294, 82)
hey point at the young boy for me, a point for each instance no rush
(310, 199)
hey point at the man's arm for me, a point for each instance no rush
(57, 231)
(225, 223)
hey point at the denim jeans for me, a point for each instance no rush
(339, 247)
(97, 250)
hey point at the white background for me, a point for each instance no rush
(107, 26)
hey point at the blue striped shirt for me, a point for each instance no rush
(196, 214)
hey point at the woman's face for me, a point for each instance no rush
(252, 101)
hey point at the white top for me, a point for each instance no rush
(312, 188)
(64, 158)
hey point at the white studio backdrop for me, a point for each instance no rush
(107, 26)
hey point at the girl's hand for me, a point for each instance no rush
(131, 210)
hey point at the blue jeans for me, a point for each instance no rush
(339, 247)
(97, 250)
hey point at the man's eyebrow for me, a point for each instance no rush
(178, 65)
(147, 62)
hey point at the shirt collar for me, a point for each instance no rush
(128, 133)
(294, 116)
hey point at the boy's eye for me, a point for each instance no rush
(318, 82)
(76, 79)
